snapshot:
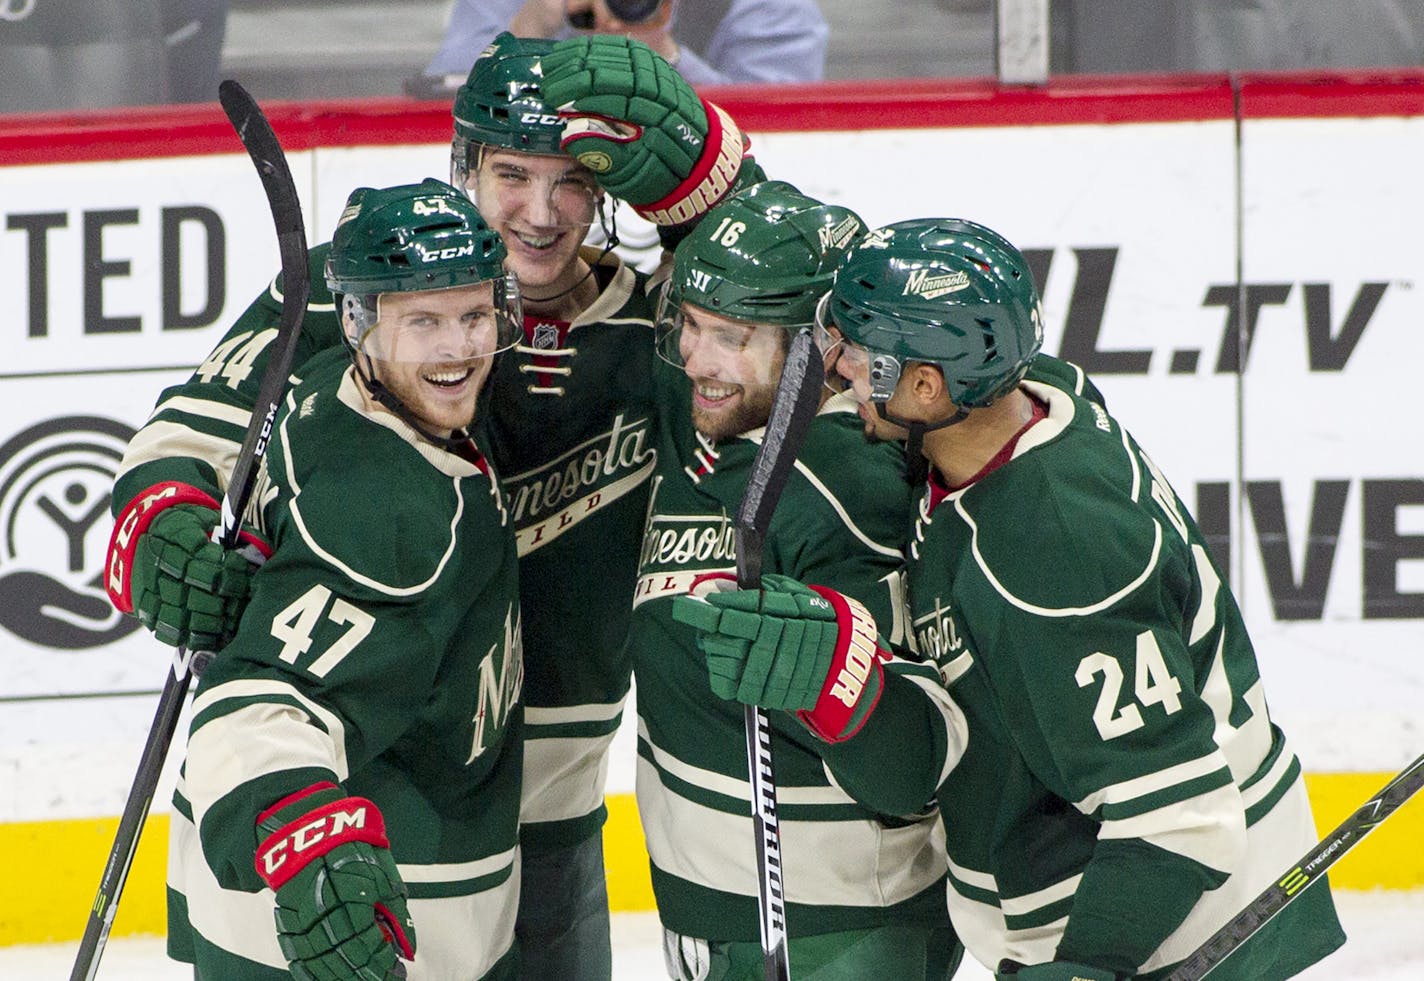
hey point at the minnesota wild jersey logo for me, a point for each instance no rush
(548, 501)
(677, 548)
(501, 681)
(937, 637)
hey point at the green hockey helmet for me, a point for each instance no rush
(765, 256)
(411, 238)
(500, 106)
(944, 291)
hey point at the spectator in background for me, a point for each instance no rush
(1106, 36)
(81, 54)
(711, 42)
(193, 32)
(57, 55)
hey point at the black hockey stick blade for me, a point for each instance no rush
(794, 405)
(1304, 874)
(271, 163)
(261, 143)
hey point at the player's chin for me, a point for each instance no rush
(725, 422)
(453, 406)
(447, 416)
(540, 266)
(714, 425)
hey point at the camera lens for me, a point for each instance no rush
(628, 11)
(633, 11)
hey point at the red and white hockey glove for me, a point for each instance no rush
(341, 905)
(804, 649)
(636, 123)
(165, 569)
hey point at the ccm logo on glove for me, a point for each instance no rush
(285, 853)
(132, 522)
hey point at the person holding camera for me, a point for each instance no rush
(711, 42)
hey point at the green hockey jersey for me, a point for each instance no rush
(380, 651)
(569, 425)
(838, 523)
(566, 418)
(1123, 791)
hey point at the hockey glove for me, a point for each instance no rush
(164, 568)
(341, 905)
(808, 650)
(1052, 971)
(636, 123)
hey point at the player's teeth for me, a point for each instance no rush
(710, 392)
(448, 377)
(538, 241)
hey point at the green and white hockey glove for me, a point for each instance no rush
(165, 569)
(803, 649)
(636, 123)
(341, 905)
(1053, 971)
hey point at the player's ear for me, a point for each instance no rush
(926, 383)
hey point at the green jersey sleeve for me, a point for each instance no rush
(196, 428)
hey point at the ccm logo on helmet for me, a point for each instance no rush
(436, 255)
(539, 119)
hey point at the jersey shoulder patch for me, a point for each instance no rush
(1065, 375)
(1063, 530)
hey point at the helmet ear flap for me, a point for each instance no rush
(885, 371)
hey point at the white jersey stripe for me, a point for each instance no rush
(826, 862)
(1151, 783)
(727, 786)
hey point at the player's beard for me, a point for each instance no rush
(435, 407)
(753, 409)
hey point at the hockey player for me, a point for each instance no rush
(1123, 791)
(354, 758)
(864, 886)
(568, 428)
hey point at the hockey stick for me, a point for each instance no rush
(1309, 870)
(792, 409)
(261, 143)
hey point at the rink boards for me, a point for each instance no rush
(1237, 266)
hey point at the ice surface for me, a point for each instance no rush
(1385, 944)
